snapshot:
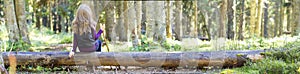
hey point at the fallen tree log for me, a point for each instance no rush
(234, 58)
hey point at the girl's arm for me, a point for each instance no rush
(74, 43)
(98, 34)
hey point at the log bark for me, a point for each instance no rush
(234, 58)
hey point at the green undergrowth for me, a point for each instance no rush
(147, 44)
(196, 45)
(282, 60)
(45, 37)
(40, 40)
(38, 69)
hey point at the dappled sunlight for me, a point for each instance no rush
(45, 39)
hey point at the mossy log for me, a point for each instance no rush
(234, 58)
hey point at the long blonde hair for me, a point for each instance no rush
(83, 21)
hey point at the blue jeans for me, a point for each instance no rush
(98, 47)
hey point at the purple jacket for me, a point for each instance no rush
(87, 41)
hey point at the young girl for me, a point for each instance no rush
(85, 37)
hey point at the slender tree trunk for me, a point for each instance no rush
(21, 20)
(259, 19)
(144, 18)
(168, 24)
(1, 9)
(120, 28)
(230, 32)
(296, 17)
(297, 23)
(277, 19)
(241, 21)
(195, 30)
(96, 9)
(205, 30)
(266, 18)
(54, 15)
(288, 14)
(50, 15)
(110, 20)
(11, 21)
(36, 16)
(281, 17)
(159, 20)
(132, 22)
(59, 25)
(178, 20)
(125, 37)
(138, 8)
(223, 18)
(37, 19)
(252, 16)
(150, 18)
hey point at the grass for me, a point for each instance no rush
(40, 39)
(282, 60)
(45, 38)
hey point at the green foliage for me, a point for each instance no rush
(40, 69)
(278, 61)
(145, 45)
(170, 45)
(259, 43)
(66, 39)
(270, 66)
(17, 46)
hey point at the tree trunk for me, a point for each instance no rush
(230, 32)
(50, 15)
(120, 28)
(168, 24)
(266, 18)
(150, 18)
(233, 58)
(159, 20)
(37, 19)
(138, 9)
(195, 30)
(144, 18)
(296, 17)
(132, 22)
(11, 21)
(288, 20)
(110, 20)
(281, 17)
(36, 16)
(223, 18)
(259, 19)
(252, 16)
(96, 9)
(241, 21)
(178, 20)
(125, 36)
(277, 19)
(21, 20)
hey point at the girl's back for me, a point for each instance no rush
(84, 30)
